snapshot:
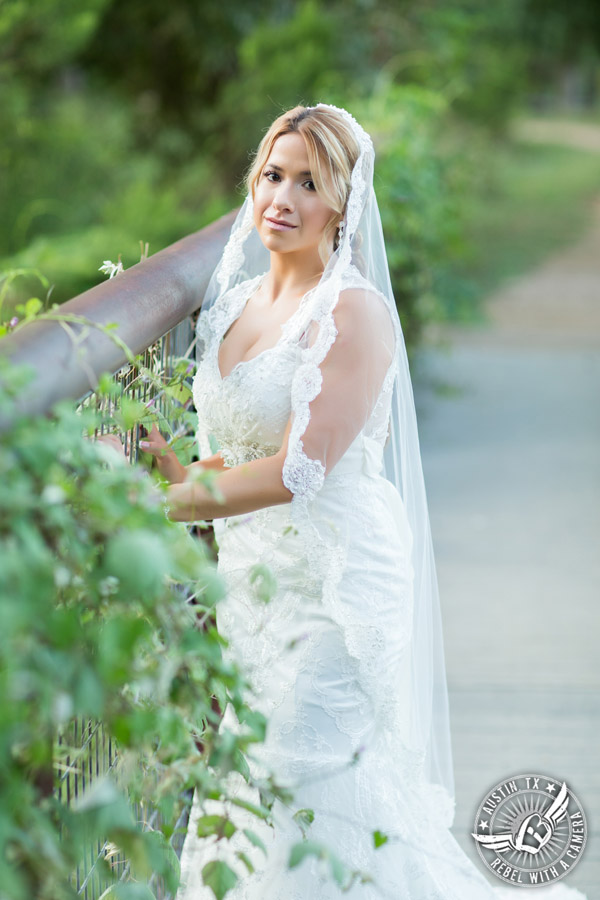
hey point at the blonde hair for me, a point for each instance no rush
(332, 152)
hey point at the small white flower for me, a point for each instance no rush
(110, 268)
(108, 586)
(53, 494)
(62, 576)
(62, 707)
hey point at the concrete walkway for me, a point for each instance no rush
(509, 417)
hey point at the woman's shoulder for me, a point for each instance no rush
(361, 306)
(354, 280)
(240, 288)
(212, 312)
(356, 292)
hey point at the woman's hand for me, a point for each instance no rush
(166, 461)
(114, 441)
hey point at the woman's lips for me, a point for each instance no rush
(279, 226)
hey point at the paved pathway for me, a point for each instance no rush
(581, 135)
(509, 418)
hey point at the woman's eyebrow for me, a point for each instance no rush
(279, 169)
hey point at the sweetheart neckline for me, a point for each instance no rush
(279, 341)
(242, 362)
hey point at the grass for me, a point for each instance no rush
(534, 200)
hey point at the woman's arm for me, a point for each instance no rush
(244, 488)
(215, 461)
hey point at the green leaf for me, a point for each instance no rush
(107, 386)
(89, 694)
(219, 878)
(241, 855)
(131, 412)
(300, 851)
(32, 307)
(255, 721)
(219, 825)
(379, 839)
(140, 560)
(178, 392)
(162, 858)
(264, 582)
(304, 818)
(260, 811)
(254, 839)
(339, 871)
(241, 765)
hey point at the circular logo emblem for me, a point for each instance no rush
(530, 830)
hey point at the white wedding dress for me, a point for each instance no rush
(324, 657)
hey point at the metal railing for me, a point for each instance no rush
(152, 305)
(145, 302)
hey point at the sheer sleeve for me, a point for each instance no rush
(347, 355)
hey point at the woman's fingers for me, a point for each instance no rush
(154, 442)
(155, 436)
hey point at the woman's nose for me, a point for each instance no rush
(282, 198)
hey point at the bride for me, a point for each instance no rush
(303, 381)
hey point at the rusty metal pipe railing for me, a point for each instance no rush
(145, 301)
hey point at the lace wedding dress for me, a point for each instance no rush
(324, 656)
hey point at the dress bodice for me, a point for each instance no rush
(247, 410)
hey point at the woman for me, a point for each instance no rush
(303, 381)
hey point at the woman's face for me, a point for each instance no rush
(286, 194)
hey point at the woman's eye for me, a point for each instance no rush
(272, 176)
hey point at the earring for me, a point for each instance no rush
(340, 231)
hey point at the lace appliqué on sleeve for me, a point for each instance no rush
(301, 475)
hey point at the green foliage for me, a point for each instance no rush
(218, 876)
(304, 819)
(529, 200)
(475, 56)
(94, 192)
(36, 35)
(153, 141)
(94, 626)
(128, 120)
(379, 839)
(420, 184)
(307, 61)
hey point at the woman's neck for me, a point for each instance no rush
(292, 274)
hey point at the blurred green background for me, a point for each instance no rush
(134, 121)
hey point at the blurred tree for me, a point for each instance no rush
(562, 28)
(302, 59)
(169, 62)
(40, 36)
(565, 40)
(470, 53)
